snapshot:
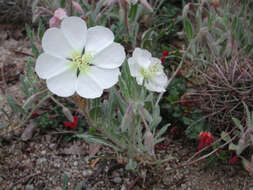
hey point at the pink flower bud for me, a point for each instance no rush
(54, 22)
(60, 13)
(77, 7)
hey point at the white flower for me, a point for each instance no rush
(79, 60)
(147, 69)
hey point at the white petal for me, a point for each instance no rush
(155, 60)
(160, 80)
(87, 87)
(143, 57)
(64, 84)
(55, 43)
(98, 38)
(158, 83)
(48, 66)
(133, 67)
(139, 80)
(111, 57)
(153, 87)
(105, 78)
(75, 30)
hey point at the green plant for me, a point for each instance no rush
(216, 30)
(127, 121)
(245, 134)
(220, 49)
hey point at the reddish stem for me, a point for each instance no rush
(134, 182)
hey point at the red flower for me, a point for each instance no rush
(179, 74)
(233, 160)
(186, 102)
(206, 139)
(34, 115)
(165, 53)
(71, 124)
(162, 146)
(162, 59)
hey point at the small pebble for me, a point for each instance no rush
(87, 173)
(52, 146)
(29, 187)
(183, 186)
(75, 163)
(123, 187)
(41, 160)
(117, 180)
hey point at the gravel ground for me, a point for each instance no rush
(41, 162)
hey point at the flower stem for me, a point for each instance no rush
(84, 105)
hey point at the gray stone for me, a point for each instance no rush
(52, 146)
(29, 187)
(41, 160)
(123, 187)
(117, 180)
(75, 163)
(87, 173)
(183, 186)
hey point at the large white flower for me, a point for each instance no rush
(77, 59)
(147, 69)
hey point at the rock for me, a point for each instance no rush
(75, 163)
(68, 174)
(52, 146)
(123, 187)
(166, 180)
(183, 186)
(1, 179)
(117, 180)
(28, 132)
(87, 173)
(41, 160)
(29, 187)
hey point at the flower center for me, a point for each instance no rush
(151, 71)
(81, 63)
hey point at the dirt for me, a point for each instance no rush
(41, 162)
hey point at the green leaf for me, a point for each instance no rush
(131, 165)
(246, 164)
(162, 130)
(41, 29)
(133, 12)
(29, 32)
(235, 24)
(188, 29)
(232, 146)
(187, 121)
(65, 182)
(209, 23)
(79, 186)
(5, 113)
(95, 139)
(16, 108)
(225, 136)
(35, 51)
(238, 124)
(2, 125)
